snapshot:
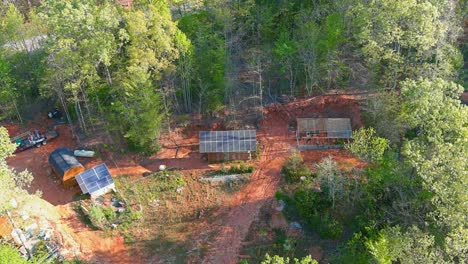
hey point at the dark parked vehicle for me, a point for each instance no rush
(57, 115)
(54, 114)
(30, 139)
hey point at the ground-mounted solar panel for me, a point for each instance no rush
(95, 179)
(228, 141)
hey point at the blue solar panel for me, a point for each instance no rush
(94, 179)
(228, 141)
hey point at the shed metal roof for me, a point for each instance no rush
(228, 141)
(62, 159)
(333, 127)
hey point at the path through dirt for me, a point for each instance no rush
(277, 142)
(244, 207)
(230, 224)
(78, 239)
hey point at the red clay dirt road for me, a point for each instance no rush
(277, 142)
(231, 222)
(244, 207)
(78, 239)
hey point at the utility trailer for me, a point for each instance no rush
(30, 139)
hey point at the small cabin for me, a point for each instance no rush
(228, 145)
(65, 166)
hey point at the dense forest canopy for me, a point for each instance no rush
(134, 69)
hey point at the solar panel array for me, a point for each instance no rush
(228, 141)
(94, 179)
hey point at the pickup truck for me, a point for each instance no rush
(30, 139)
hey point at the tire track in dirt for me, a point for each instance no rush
(244, 207)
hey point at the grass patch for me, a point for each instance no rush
(171, 204)
(107, 216)
(148, 190)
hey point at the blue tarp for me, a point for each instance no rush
(62, 159)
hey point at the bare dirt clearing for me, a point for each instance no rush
(210, 231)
(276, 141)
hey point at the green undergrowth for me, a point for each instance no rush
(240, 168)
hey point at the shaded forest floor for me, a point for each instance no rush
(198, 228)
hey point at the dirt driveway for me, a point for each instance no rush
(230, 223)
(35, 160)
(277, 142)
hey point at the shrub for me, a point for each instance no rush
(294, 168)
(96, 216)
(223, 170)
(133, 216)
(367, 145)
(40, 252)
(234, 169)
(329, 227)
(313, 207)
(109, 213)
(331, 180)
(309, 201)
(9, 254)
(355, 251)
(243, 167)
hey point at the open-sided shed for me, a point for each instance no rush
(228, 145)
(322, 131)
(65, 165)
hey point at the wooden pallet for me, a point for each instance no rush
(22, 135)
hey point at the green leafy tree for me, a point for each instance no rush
(12, 34)
(12, 184)
(10, 255)
(438, 154)
(8, 94)
(20, 47)
(11, 22)
(285, 50)
(204, 30)
(185, 68)
(401, 38)
(80, 48)
(102, 57)
(332, 37)
(392, 245)
(150, 53)
(381, 112)
(367, 145)
(330, 178)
